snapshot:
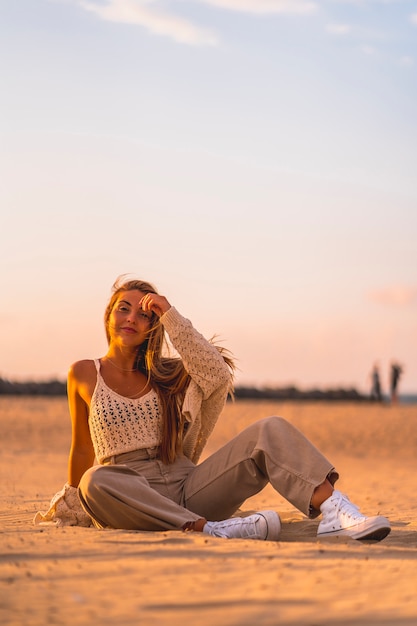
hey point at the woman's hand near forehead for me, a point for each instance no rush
(155, 303)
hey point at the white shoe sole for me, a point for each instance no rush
(273, 523)
(372, 529)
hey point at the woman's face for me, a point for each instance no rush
(128, 322)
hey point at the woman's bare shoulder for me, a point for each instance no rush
(82, 370)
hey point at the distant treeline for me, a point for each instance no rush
(293, 393)
(58, 388)
(32, 388)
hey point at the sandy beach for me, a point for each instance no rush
(85, 576)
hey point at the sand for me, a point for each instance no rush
(85, 576)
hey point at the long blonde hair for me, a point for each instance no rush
(165, 373)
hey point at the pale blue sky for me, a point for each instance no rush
(255, 159)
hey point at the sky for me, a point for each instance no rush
(254, 159)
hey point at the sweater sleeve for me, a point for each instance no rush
(201, 359)
(211, 381)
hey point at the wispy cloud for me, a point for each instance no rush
(364, 2)
(150, 15)
(395, 295)
(406, 61)
(369, 50)
(146, 13)
(264, 7)
(338, 29)
(414, 18)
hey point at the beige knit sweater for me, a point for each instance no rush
(204, 400)
(210, 381)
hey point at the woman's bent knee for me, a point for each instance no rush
(91, 480)
(274, 423)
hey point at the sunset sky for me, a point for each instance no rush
(254, 159)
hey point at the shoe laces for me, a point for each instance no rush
(345, 507)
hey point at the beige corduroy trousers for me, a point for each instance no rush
(137, 491)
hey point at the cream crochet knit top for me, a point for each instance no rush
(119, 424)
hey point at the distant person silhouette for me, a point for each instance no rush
(376, 385)
(396, 371)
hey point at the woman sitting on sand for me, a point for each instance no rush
(146, 416)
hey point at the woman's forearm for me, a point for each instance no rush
(79, 462)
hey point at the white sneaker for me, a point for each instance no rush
(265, 525)
(342, 518)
